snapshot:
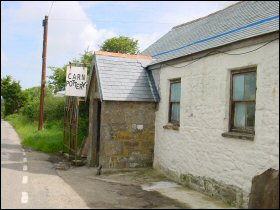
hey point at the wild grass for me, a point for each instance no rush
(50, 139)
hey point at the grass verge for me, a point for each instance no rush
(50, 139)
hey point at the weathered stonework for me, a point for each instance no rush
(127, 134)
(265, 190)
(121, 133)
(230, 194)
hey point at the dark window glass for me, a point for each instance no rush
(174, 103)
(243, 100)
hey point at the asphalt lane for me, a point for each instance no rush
(11, 168)
(28, 180)
(31, 180)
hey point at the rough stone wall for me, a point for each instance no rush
(265, 190)
(127, 134)
(198, 149)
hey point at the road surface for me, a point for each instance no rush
(28, 181)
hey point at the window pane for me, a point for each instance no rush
(250, 86)
(175, 112)
(238, 87)
(250, 115)
(240, 115)
(175, 92)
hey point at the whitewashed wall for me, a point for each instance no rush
(198, 147)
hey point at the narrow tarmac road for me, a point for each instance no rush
(32, 180)
(29, 180)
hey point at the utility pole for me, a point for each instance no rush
(43, 82)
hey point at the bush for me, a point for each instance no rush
(13, 95)
(83, 121)
(50, 139)
(31, 109)
(54, 108)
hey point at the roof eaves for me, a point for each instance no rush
(98, 80)
(152, 85)
(90, 76)
(113, 54)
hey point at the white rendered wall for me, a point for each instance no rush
(198, 147)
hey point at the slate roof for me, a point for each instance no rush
(123, 77)
(241, 21)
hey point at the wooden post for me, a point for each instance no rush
(77, 124)
(43, 82)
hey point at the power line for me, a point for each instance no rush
(50, 9)
(250, 50)
(217, 51)
(191, 62)
(111, 21)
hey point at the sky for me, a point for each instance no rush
(75, 26)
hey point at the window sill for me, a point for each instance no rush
(237, 135)
(171, 126)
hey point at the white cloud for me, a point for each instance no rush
(73, 36)
(145, 40)
(93, 37)
(70, 32)
(182, 12)
(29, 11)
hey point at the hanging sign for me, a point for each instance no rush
(76, 80)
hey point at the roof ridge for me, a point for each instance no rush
(113, 54)
(192, 21)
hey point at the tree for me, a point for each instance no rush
(58, 78)
(86, 58)
(120, 44)
(32, 103)
(12, 93)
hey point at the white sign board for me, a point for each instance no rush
(76, 80)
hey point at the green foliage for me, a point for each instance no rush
(50, 139)
(54, 108)
(83, 120)
(2, 107)
(12, 93)
(86, 59)
(32, 103)
(121, 44)
(31, 110)
(58, 78)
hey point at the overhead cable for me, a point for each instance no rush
(218, 51)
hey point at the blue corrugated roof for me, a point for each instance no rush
(241, 21)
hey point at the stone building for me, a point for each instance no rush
(122, 111)
(217, 123)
